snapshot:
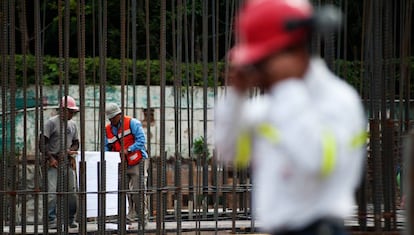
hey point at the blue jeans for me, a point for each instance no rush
(52, 177)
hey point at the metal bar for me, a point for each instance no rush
(39, 127)
(102, 28)
(149, 110)
(12, 96)
(25, 145)
(386, 34)
(81, 213)
(205, 48)
(409, 179)
(160, 176)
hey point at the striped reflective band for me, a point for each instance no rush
(244, 143)
(359, 140)
(126, 132)
(268, 132)
(133, 157)
(243, 150)
(112, 140)
(329, 153)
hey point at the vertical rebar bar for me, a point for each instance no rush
(162, 156)
(149, 108)
(388, 124)
(81, 213)
(205, 41)
(409, 181)
(39, 123)
(124, 184)
(25, 144)
(12, 96)
(102, 38)
(178, 107)
(4, 168)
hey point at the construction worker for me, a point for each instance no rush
(304, 137)
(56, 129)
(133, 150)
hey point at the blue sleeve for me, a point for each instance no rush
(138, 132)
(106, 141)
(106, 144)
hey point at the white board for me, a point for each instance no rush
(112, 159)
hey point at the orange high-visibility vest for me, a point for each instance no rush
(114, 141)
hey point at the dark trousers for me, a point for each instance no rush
(319, 227)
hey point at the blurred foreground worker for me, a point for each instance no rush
(134, 141)
(304, 137)
(56, 129)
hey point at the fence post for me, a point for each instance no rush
(409, 183)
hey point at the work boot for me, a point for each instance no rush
(73, 225)
(53, 224)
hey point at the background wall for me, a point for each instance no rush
(113, 94)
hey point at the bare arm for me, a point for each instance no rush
(74, 147)
(44, 141)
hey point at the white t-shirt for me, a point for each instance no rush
(307, 147)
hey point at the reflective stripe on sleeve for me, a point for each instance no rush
(268, 132)
(329, 153)
(244, 143)
(243, 150)
(359, 140)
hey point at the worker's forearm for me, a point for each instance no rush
(74, 146)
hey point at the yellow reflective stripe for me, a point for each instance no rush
(243, 150)
(329, 153)
(244, 143)
(359, 140)
(268, 132)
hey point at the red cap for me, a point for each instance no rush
(261, 28)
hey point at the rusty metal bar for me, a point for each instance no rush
(3, 48)
(22, 6)
(207, 181)
(102, 29)
(12, 96)
(39, 124)
(409, 181)
(81, 213)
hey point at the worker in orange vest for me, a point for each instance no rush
(129, 131)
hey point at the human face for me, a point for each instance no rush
(115, 120)
(287, 64)
(69, 113)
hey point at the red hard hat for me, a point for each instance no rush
(69, 103)
(261, 28)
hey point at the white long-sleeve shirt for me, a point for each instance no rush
(307, 147)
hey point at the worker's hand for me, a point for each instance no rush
(125, 152)
(242, 78)
(53, 162)
(72, 152)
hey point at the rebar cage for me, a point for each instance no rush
(164, 63)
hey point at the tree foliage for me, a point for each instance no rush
(52, 75)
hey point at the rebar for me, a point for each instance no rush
(194, 37)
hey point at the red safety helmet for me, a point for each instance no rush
(69, 103)
(262, 28)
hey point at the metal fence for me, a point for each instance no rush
(188, 191)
